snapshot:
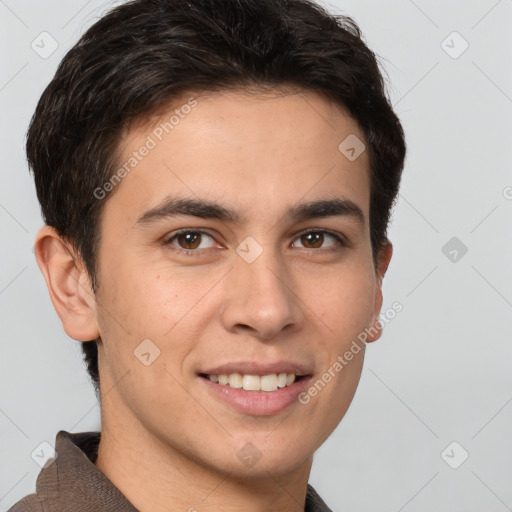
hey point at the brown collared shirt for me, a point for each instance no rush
(72, 483)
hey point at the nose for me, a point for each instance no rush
(260, 299)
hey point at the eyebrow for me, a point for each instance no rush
(204, 209)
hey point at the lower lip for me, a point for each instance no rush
(258, 403)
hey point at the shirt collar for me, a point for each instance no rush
(72, 478)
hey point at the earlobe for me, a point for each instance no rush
(68, 284)
(374, 331)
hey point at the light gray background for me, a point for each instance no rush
(440, 373)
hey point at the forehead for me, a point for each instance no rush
(253, 151)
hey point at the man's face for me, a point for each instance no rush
(277, 286)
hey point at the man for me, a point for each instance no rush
(216, 179)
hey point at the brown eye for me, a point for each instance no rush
(188, 240)
(312, 240)
(320, 239)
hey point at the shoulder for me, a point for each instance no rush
(56, 480)
(30, 503)
(314, 503)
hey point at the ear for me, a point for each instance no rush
(384, 257)
(68, 283)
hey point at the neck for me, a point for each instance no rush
(156, 477)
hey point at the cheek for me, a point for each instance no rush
(150, 300)
(344, 300)
(144, 324)
(347, 305)
(169, 307)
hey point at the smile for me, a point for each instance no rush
(250, 382)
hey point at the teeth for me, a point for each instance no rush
(251, 382)
(269, 382)
(235, 380)
(255, 382)
(290, 378)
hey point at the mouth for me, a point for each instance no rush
(256, 389)
(252, 382)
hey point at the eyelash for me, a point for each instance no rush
(341, 242)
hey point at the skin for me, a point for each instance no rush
(300, 300)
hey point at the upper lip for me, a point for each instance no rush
(254, 368)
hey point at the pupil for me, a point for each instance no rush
(191, 240)
(314, 239)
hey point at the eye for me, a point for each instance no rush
(316, 239)
(189, 240)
